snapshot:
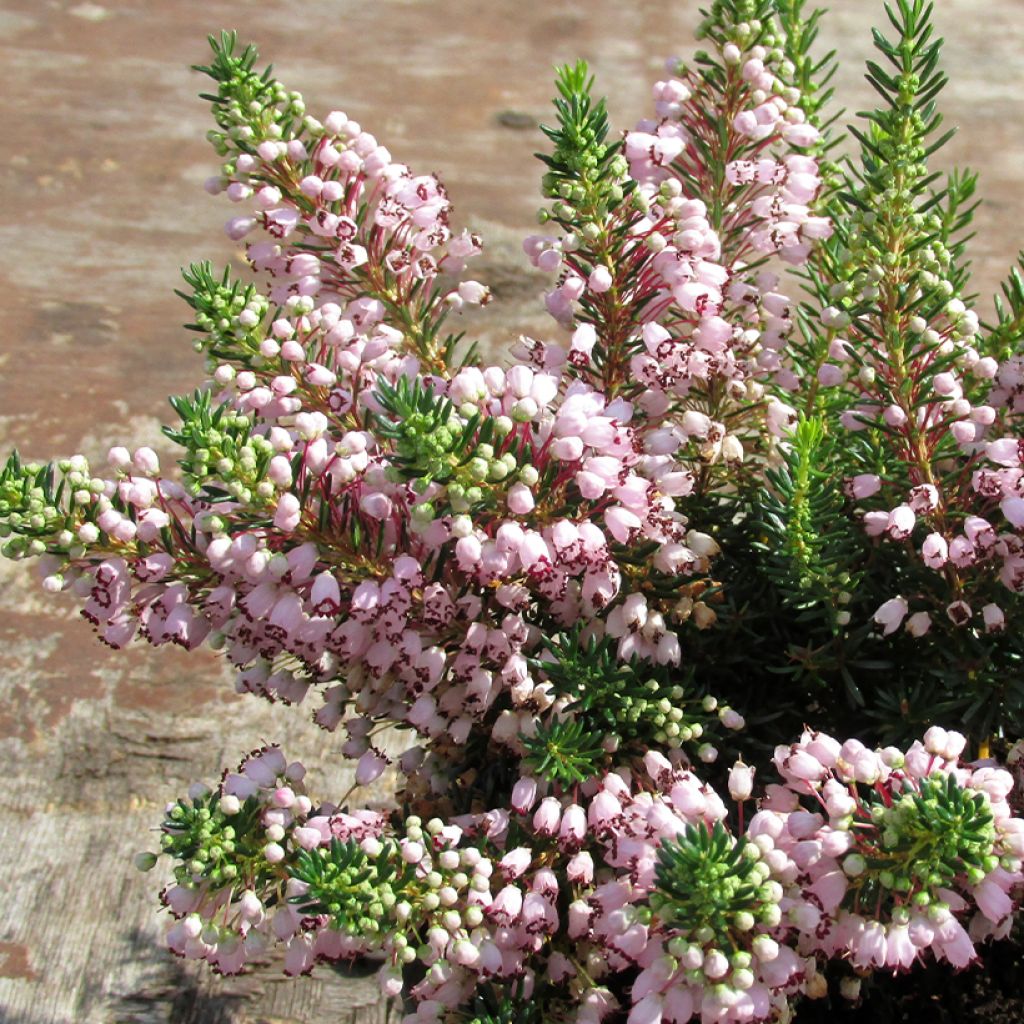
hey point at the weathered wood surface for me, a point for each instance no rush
(100, 203)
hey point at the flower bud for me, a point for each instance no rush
(741, 781)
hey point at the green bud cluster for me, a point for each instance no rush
(358, 892)
(248, 107)
(213, 846)
(863, 261)
(372, 891)
(926, 839)
(223, 456)
(898, 231)
(41, 505)
(806, 76)
(712, 889)
(435, 444)
(586, 174)
(621, 705)
(746, 23)
(228, 315)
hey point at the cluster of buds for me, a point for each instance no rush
(880, 857)
(901, 851)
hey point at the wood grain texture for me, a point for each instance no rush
(100, 203)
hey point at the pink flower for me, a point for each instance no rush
(800, 135)
(370, 767)
(376, 505)
(799, 764)
(901, 953)
(829, 888)
(959, 613)
(547, 816)
(307, 838)
(918, 624)
(580, 913)
(901, 522)
(830, 375)
(963, 431)
(288, 513)
(1005, 452)
(580, 868)
(891, 614)
(679, 1005)
(520, 499)
(993, 900)
(299, 956)
(468, 551)
(995, 620)
(475, 293)
(622, 524)
(573, 827)
(803, 824)
(507, 904)
(924, 499)
(875, 522)
(870, 947)
(741, 781)
(604, 811)
(695, 424)
(935, 551)
(647, 1011)
(516, 862)
(1013, 509)
(952, 943)
(600, 280)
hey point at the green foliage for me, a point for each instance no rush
(775, 651)
(808, 549)
(973, 679)
(43, 506)
(781, 656)
(891, 277)
(494, 1004)
(585, 171)
(1004, 336)
(249, 106)
(31, 507)
(219, 303)
(811, 75)
(903, 232)
(894, 149)
(710, 887)
(595, 204)
(564, 751)
(356, 890)
(925, 840)
(225, 460)
(212, 846)
(433, 443)
(747, 23)
(632, 705)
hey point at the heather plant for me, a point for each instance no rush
(762, 481)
